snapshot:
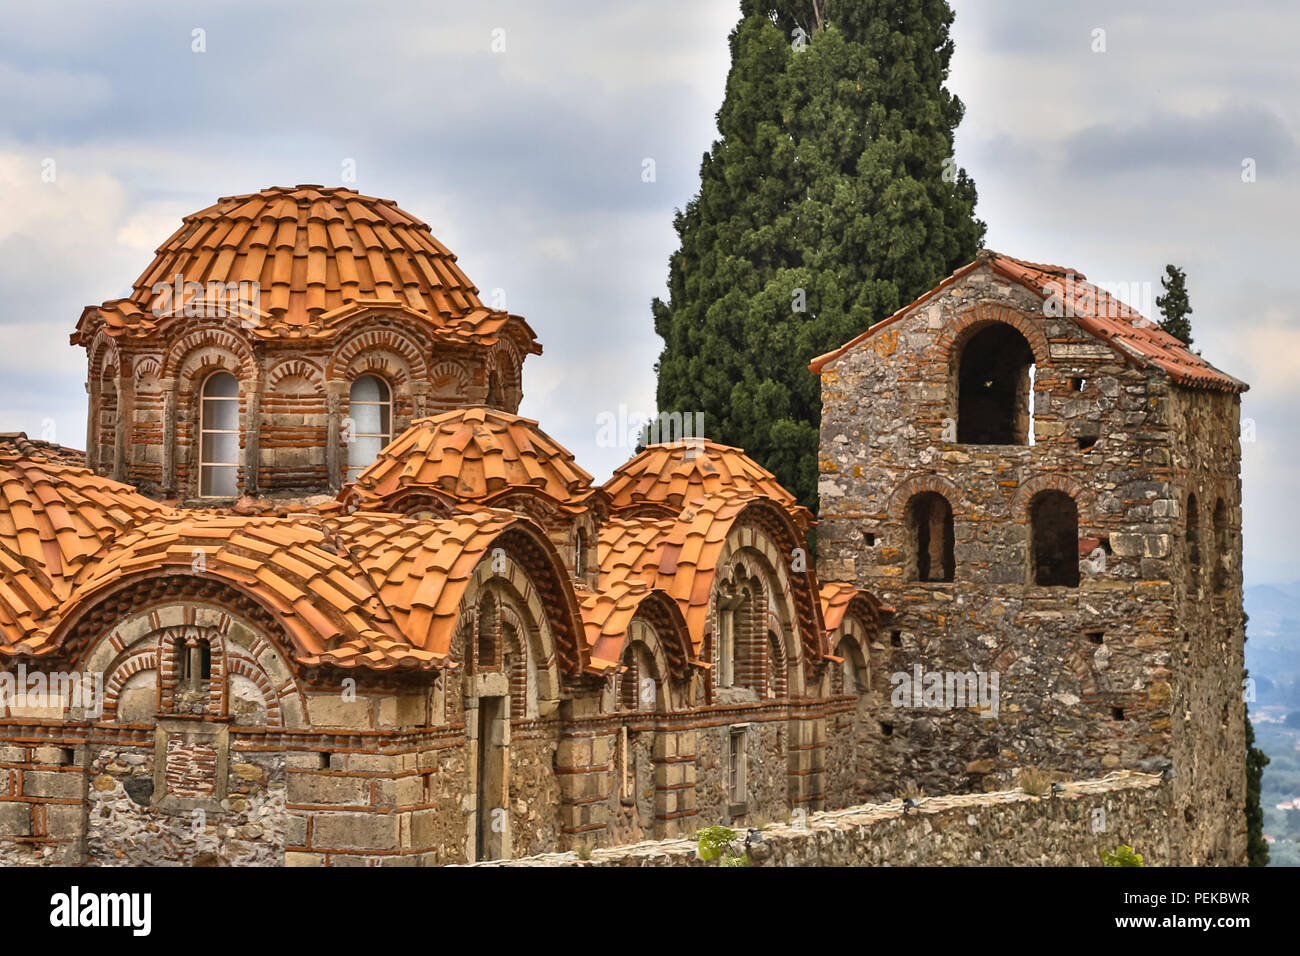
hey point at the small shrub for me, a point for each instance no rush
(1123, 856)
(584, 851)
(909, 789)
(1035, 782)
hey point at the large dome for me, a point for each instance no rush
(315, 254)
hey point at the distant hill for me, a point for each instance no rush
(1273, 638)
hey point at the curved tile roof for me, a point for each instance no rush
(420, 569)
(316, 254)
(1142, 341)
(671, 474)
(680, 557)
(472, 455)
(56, 517)
(17, 443)
(295, 567)
(838, 596)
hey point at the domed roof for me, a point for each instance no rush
(316, 254)
(474, 454)
(668, 476)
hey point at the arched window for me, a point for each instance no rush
(496, 396)
(993, 388)
(776, 667)
(580, 548)
(370, 413)
(1054, 540)
(1221, 551)
(489, 626)
(1193, 543)
(930, 537)
(219, 437)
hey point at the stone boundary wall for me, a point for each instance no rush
(1007, 828)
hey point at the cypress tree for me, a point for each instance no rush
(1174, 305)
(829, 200)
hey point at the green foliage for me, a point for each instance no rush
(1123, 856)
(712, 842)
(1174, 305)
(1256, 847)
(829, 200)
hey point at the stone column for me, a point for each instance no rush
(169, 386)
(253, 429)
(92, 424)
(333, 463)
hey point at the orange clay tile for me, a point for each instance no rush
(285, 240)
(472, 455)
(837, 597)
(1139, 339)
(56, 517)
(666, 476)
(17, 443)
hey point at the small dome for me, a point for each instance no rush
(474, 455)
(667, 477)
(314, 252)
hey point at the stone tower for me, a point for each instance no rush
(1046, 487)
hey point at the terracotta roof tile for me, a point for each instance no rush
(838, 596)
(17, 444)
(317, 255)
(666, 476)
(472, 455)
(56, 517)
(1139, 339)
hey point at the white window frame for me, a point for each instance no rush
(355, 468)
(204, 431)
(737, 765)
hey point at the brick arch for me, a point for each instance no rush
(126, 666)
(1051, 482)
(102, 350)
(516, 589)
(960, 327)
(168, 645)
(189, 354)
(1006, 657)
(296, 368)
(390, 353)
(147, 365)
(1079, 665)
(450, 370)
(919, 484)
(241, 664)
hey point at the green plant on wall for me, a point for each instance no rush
(714, 843)
(1123, 856)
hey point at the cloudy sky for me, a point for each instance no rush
(528, 163)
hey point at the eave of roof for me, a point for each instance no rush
(1139, 340)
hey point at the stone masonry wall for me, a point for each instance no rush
(994, 829)
(1129, 669)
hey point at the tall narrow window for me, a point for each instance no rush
(1220, 581)
(489, 624)
(930, 532)
(1054, 540)
(994, 382)
(727, 641)
(370, 410)
(737, 770)
(219, 437)
(1193, 543)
